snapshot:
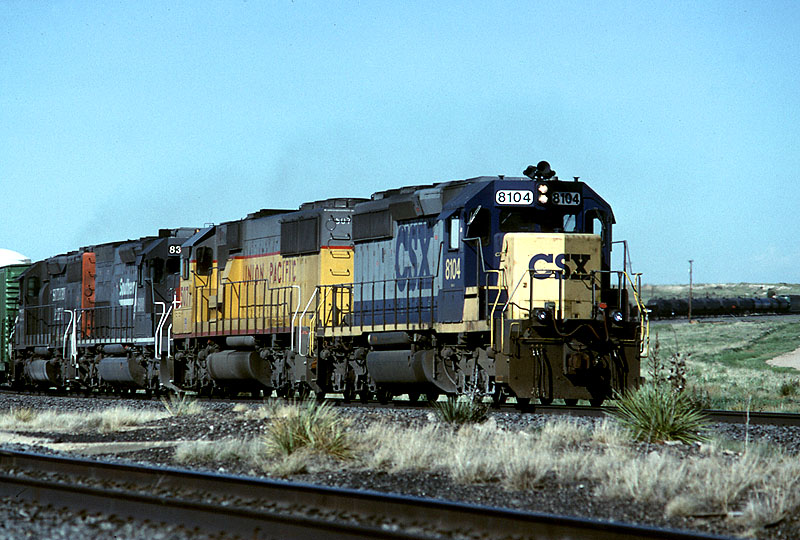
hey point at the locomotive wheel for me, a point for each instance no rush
(348, 394)
(598, 402)
(413, 397)
(545, 400)
(364, 396)
(431, 397)
(383, 396)
(319, 396)
(499, 397)
(570, 402)
(524, 404)
(302, 392)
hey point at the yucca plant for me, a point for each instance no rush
(181, 405)
(461, 411)
(23, 414)
(657, 412)
(312, 425)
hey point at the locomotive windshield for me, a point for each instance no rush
(532, 220)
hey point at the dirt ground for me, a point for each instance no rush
(791, 359)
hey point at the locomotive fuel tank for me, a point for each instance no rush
(238, 366)
(122, 370)
(42, 371)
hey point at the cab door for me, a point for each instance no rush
(451, 291)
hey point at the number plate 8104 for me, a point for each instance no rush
(566, 198)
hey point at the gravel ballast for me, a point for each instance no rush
(219, 421)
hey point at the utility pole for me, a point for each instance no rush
(690, 289)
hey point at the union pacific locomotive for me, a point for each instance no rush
(487, 286)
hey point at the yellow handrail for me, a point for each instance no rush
(498, 287)
(644, 332)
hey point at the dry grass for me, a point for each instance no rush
(753, 486)
(181, 405)
(105, 421)
(300, 438)
(196, 452)
(727, 361)
(756, 488)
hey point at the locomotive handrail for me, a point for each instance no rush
(644, 332)
(169, 340)
(158, 337)
(559, 276)
(300, 325)
(232, 283)
(499, 288)
(291, 328)
(513, 292)
(338, 308)
(625, 278)
(66, 331)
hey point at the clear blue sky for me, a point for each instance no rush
(120, 118)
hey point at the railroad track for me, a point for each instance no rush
(254, 508)
(726, 417)
(715, 415)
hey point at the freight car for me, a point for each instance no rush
(12, 264)
(669, 308)
(487, 286)
(98, 318)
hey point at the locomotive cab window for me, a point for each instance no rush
(156, 269)
(479, 225)
(455, 230)
(173, 265)
(570, 223)
(530, 221)
(185, 264)
(595, 224)
(32, 287)
(205, 261)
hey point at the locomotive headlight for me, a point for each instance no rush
(617, 317)
(542, 188)
(543, 198)
(542, 315)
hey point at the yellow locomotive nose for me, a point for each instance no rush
(551, 274)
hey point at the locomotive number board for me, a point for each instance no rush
(567, 198)
(513, 196)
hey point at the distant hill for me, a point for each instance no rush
(718, 290)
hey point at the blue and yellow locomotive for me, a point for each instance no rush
(487, 286)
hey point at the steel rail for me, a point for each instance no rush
(714, 415)
(387, 515)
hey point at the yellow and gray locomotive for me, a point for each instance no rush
(487, 286)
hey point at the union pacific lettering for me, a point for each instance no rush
(577, 270)
(278, 272)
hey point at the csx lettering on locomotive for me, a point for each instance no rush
(412, 256)
(575, 271)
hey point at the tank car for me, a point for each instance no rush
(99, 317)
(487, 286)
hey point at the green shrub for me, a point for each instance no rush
(312, 425)
(461, 411)
(654, 413)
(789, 388)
